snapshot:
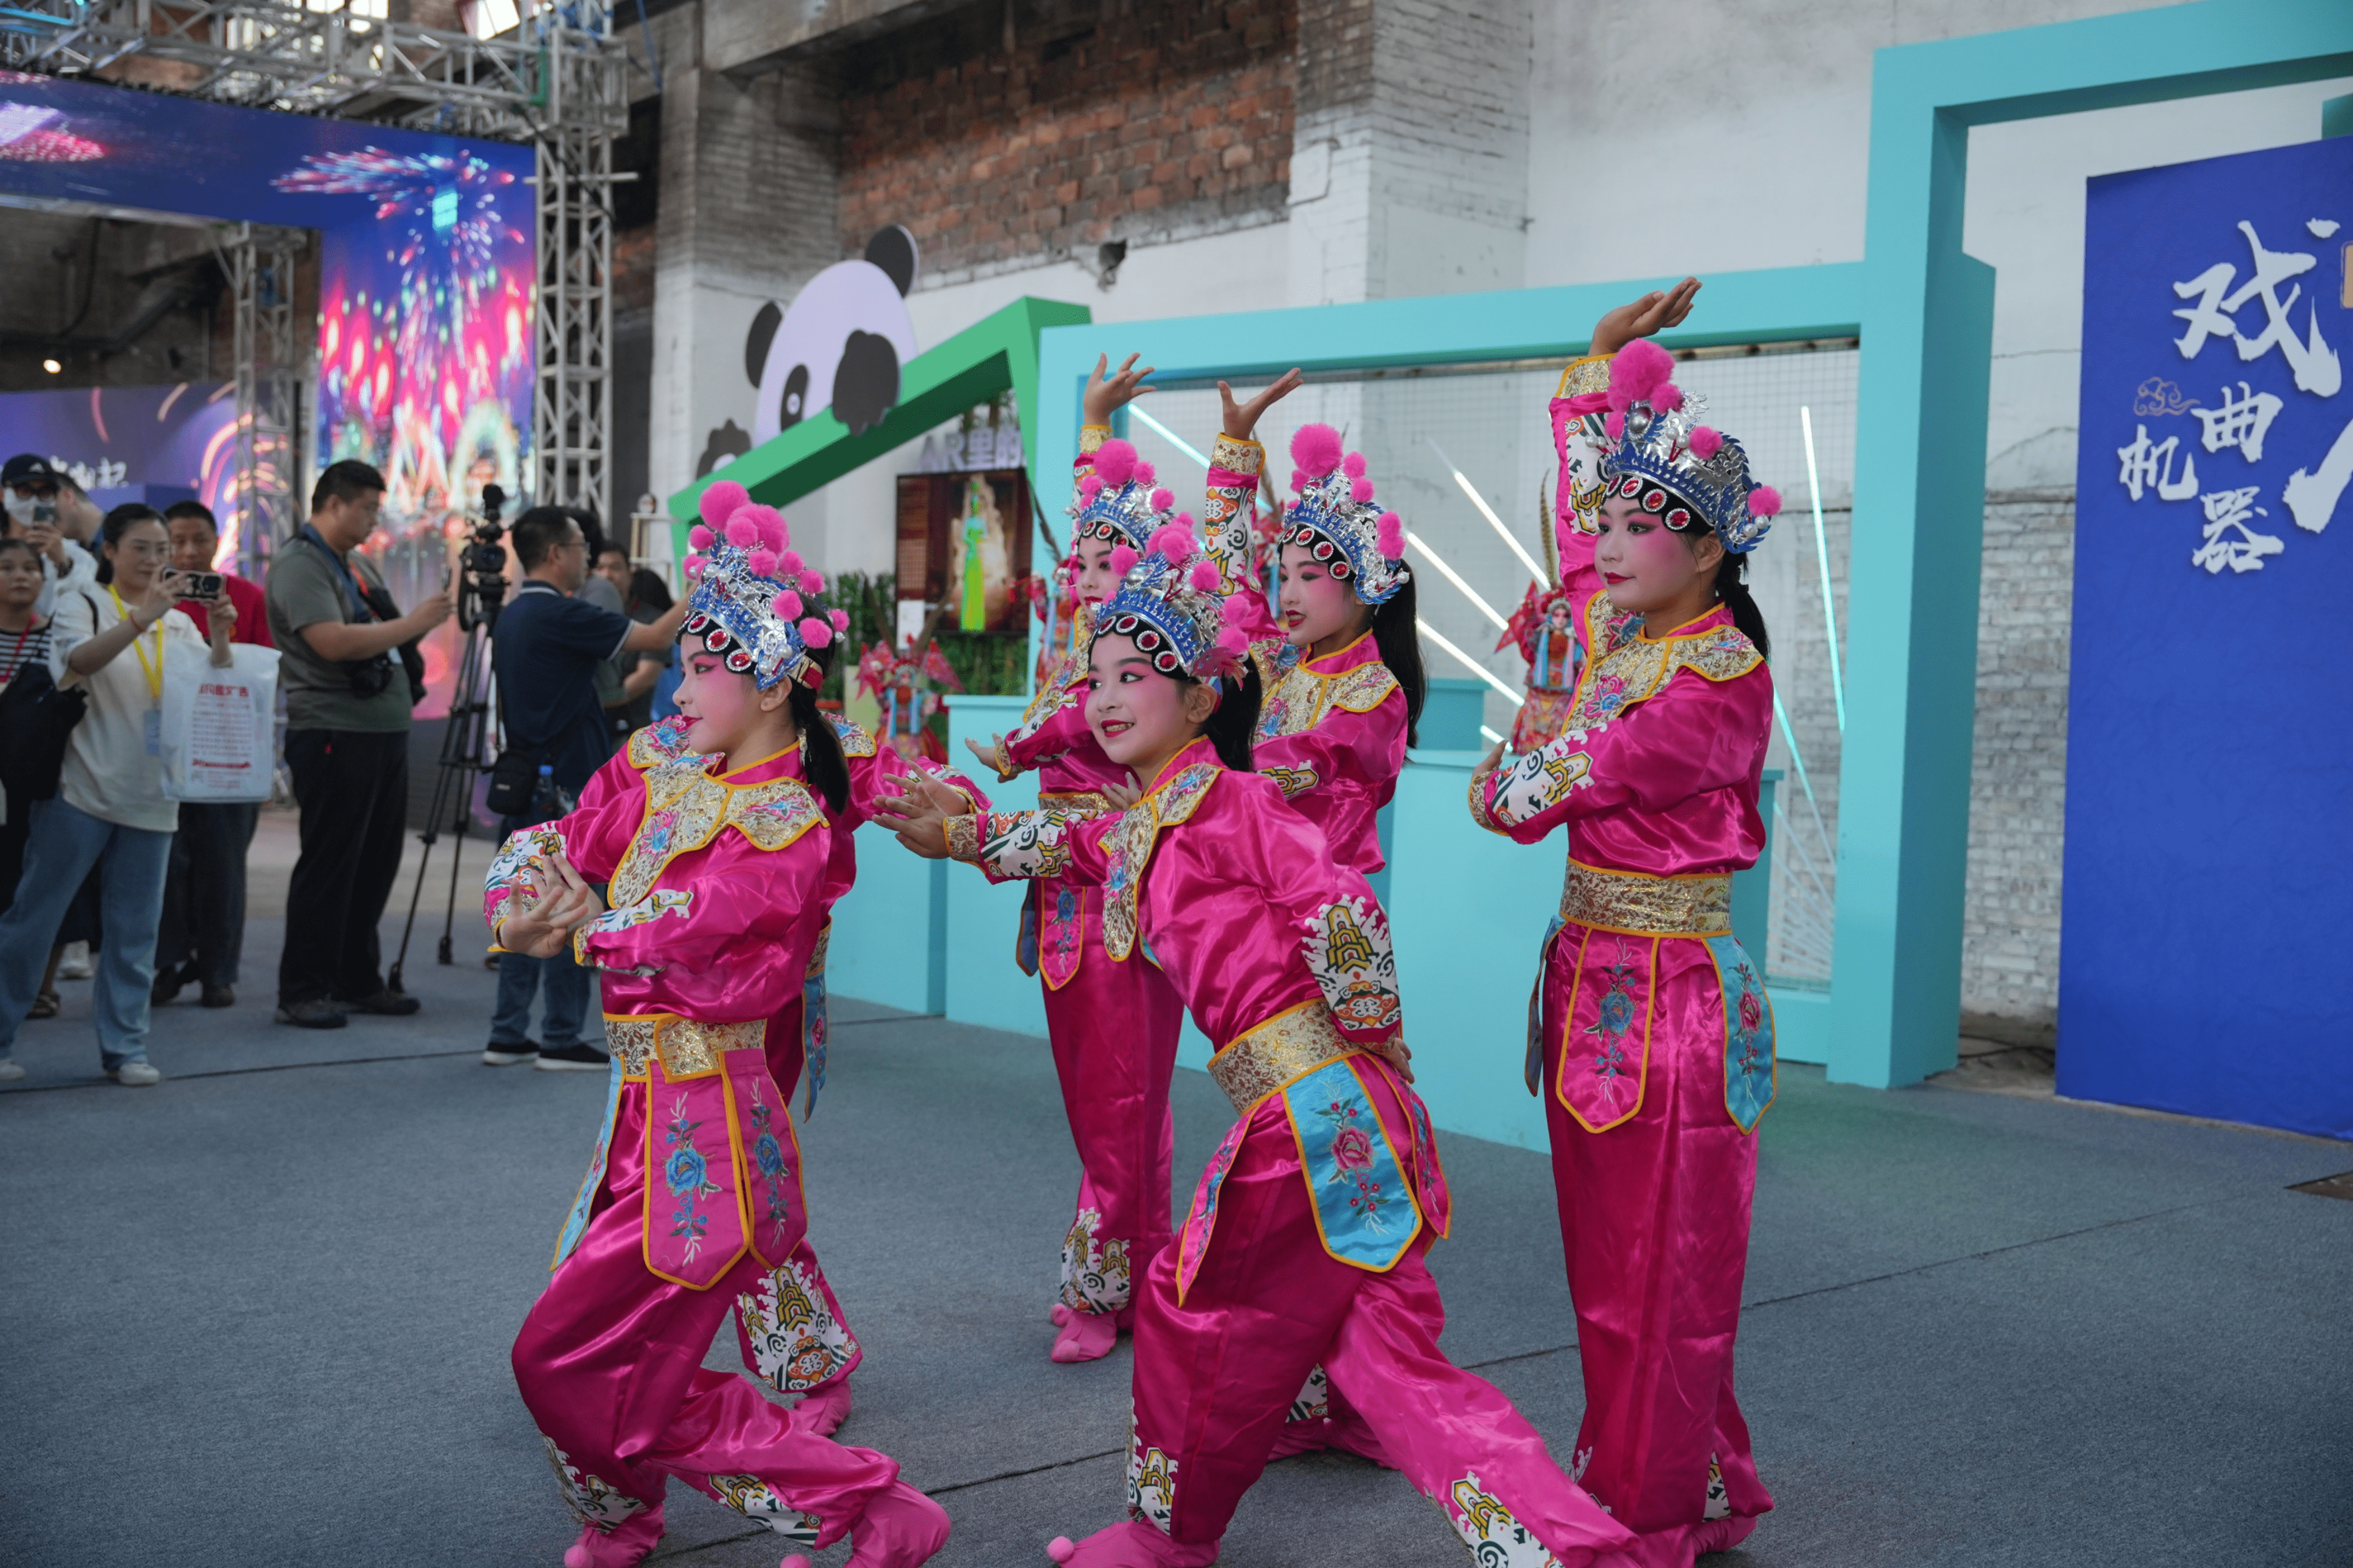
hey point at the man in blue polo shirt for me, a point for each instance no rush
(545, 651)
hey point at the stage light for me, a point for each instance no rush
(1473, 665)
(1169, 436)
(1463, 482)
(1447, 571)
(52, 366)
(1822, 556)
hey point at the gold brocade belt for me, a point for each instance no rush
(687, 1046)
(1642, 905)
(1073, 800)
(1287, 1047)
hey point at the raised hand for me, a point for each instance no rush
(1487, 766)
(1116, 390)
(1243, 418)
(1124, 796)
(1653, 312)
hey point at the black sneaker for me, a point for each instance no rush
(169, 984)
(390, 1003)
(506, 1053)
(573, 1059)
(315, 1012)
(220, 995)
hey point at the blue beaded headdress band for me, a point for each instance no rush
(1168, 602)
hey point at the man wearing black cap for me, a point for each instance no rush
(31, 490)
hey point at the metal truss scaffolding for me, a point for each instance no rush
(259, 264)
(556, 81)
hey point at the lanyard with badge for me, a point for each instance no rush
(153, 670)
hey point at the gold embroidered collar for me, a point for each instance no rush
(1127, 848)
(1298, 695)
(1631, 668)
(685, 809)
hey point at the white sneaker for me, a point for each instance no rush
(137, 1074)
(11, 1069)
(74, 963)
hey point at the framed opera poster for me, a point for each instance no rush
(964, 542)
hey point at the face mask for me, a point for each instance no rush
(21, 509)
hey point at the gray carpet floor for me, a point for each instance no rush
(260, 1314)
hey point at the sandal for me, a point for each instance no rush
(44, 1005)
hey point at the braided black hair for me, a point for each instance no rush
(1732, 587)
(821, 758)
(1229, 728)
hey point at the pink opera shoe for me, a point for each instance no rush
(899, 1529)
(626, 1545)
(1087, 1336)
(1058, 1314)
(1129, 1544)
(823, 1409)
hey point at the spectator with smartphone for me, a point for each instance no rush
(547, 651)
(348, 692)
(110, 811)
(32, 490)
(202, 937)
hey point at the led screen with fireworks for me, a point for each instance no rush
(427, 269)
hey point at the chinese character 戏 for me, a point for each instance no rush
(2314, 363)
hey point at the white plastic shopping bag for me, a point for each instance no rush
(218, 726)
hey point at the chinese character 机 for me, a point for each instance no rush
(2228, 540)
(2314, 363)
(2145, 464)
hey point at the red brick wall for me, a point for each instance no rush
(1127, 119)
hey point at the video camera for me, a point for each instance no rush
(481, 565)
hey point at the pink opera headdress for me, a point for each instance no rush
(1118, 501)
(1168, 602)
(1336, 519)
(754, 600)
(1653, 450)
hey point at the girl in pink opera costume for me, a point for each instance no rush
(718, 862)
(1304, 1242)
(1113, 1018)
(1652, 1044)
(789, 1325)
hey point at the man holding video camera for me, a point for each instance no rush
(547, 648)
(351, 674)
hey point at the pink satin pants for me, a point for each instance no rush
(1114, 1028)
(1215, 1376)
(609, 1364)
(1654, 1222)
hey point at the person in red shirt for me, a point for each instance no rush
(200, 938)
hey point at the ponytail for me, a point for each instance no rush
(1732, 587)
(1396, 633)
(821, 758)
(1230, 726)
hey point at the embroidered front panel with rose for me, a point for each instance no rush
(1331, 732)
(716, 881)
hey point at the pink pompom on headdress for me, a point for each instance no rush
(1298, 478)
(840, 619)
(1706, 443)
(1115, 461)
(790, 564)
(1353, 465)
(1203, 576)
(1668, 398)
(1637, 371)
(788, 606)
(1317, 449)
(1389, 534)
(1091, 486)
(1145, 473)
(1123, 557)
(700, 539)
(1163, 500)
(721, 500)
(1360, 490)
(1616, 425)
(1764, 502)
(743, 533)
(1173, 540)
(811, 583)
(763, 561)
(816, 632)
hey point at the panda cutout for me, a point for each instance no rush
(840, 345)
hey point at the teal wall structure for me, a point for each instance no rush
(1469, 908)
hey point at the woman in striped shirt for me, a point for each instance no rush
(24, 643)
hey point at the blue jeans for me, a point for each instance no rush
(61, 847)
(566, 986)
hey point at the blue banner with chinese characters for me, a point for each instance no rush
(2210, 743)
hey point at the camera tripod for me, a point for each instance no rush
(481, 589)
